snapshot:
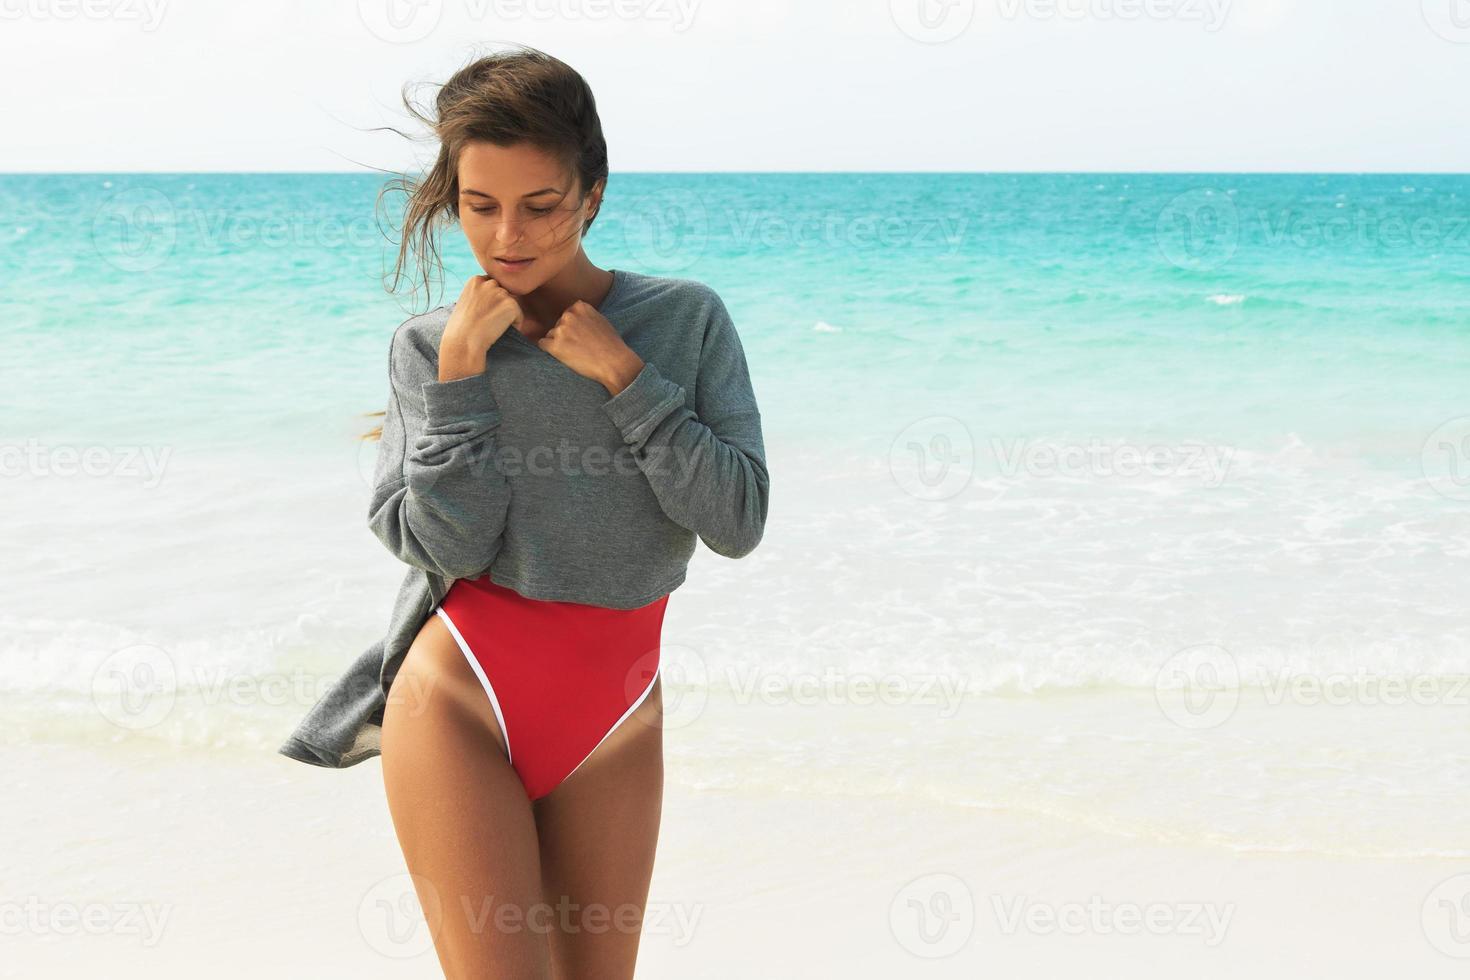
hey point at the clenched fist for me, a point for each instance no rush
(484, 311)
(586, 342)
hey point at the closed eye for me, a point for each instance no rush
(532, 210)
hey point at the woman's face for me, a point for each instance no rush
(517, 203)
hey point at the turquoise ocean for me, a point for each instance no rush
(1136, 501)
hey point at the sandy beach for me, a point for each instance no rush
(178, 867)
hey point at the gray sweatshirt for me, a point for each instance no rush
(531, 473)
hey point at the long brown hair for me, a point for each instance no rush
(521, 95)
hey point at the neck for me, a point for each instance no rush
(579, 280)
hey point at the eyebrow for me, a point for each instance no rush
(544, 190)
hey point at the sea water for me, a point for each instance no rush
(1138, 501)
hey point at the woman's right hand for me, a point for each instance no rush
(484, 311)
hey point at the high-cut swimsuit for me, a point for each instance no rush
(561, 676)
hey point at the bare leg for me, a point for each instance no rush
(461, 815)
(599, 831)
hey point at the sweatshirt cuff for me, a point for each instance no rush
(461, 398)
(643, 404)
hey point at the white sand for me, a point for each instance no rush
(265, 867)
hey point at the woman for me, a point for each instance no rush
(554, 443)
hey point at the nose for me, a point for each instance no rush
(507, 231)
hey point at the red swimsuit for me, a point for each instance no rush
(561, 676)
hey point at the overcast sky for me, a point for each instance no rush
(1329, 85)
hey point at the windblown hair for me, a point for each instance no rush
(521, 95)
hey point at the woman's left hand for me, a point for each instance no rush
(587, 343)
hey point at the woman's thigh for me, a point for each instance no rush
(598, 831)
(461, 816)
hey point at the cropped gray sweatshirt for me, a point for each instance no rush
(531, 473)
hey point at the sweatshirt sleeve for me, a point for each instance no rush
(707, 467)
(439, 501)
